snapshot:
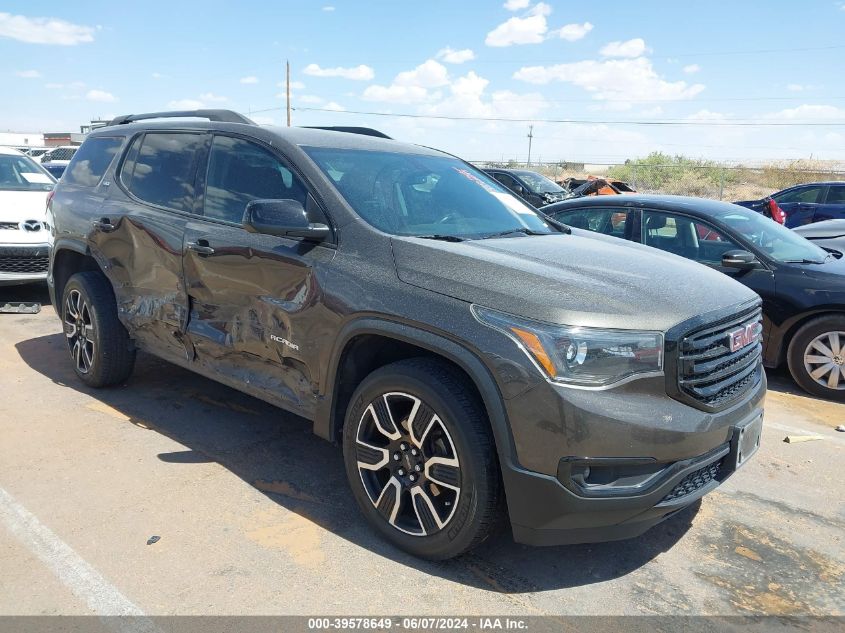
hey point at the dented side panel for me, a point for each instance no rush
(257, 313)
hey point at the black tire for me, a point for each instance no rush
(104, 355)
(469, 513)
(800, 350)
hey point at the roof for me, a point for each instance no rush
(686, 204)
(299, 136)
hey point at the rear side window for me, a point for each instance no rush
(91, 161)
(801, 194)
(836, 194)
(163, 169)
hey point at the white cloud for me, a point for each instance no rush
(808, 112)
(573, 32)
(251, 79)
(336, 107)
(691, 69)
(28, 74)
(411, 86)
(795, 87)
(100, 95)
(613, 80)
(516, 5)
(185, 104)
(357, 73)
(312, 99)
(529, 29)
(74, 85)
(44, 30)
(328, 9)
(264, 120)
(210, 96)
(158, 76)
(629, 48)
(451, 56)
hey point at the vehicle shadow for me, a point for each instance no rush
(30, 293)
(277, 453)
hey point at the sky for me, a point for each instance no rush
(737, 81)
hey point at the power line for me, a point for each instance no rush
(666, 122)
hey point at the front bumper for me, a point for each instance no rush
(662, 477)
(23, 263)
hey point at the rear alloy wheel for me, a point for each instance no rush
(420, 458)
(817, 357)
(99, 345)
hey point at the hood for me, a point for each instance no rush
(579, 279)
(822, 230)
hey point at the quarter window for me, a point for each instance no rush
(240, 171)
(91, 161)
(163, 171)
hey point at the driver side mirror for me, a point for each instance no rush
(283, 218)
(741, 260)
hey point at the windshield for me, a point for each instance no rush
(21, 173)
(539, 183)
(778, 242)
(411, 194)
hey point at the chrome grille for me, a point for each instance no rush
(709, 371)
(9, 226)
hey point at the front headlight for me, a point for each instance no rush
(583, 356)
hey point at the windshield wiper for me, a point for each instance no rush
(442, 238)
(803, 261)
(522, 230)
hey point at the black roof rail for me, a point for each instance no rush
(222, 116)
(366, 131)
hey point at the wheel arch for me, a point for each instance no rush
(68, 258)
(776, 355)
(354, 357)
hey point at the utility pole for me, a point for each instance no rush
(287, 87)
(530, 138)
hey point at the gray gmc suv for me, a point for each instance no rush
(473, 357)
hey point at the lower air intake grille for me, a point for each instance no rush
(23, 265)
(694, 481)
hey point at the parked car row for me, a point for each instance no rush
(576, 365)
(802, 204)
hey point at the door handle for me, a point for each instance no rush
(200, 248)
(103, 225)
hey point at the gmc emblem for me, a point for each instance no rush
(743, 337)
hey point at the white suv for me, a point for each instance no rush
(25, 235)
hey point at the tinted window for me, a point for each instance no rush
(539, 183)
(91, 161)
(607, 221)
(801, 194)
(836, 194)
(418, 194)
(686, 237)
(163, 172)
(773, 239)
(21, 173)
(240, 171)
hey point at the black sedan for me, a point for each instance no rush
(802, 285)
(534, 188)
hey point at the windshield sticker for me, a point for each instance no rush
(35, 178)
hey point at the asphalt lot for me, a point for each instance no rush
(254, 517)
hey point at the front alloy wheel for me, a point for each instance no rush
(420, 458)
(408, 464)
(824, 358)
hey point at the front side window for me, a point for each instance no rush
(801, 194)
(420, 195)
(90, 162)
(162, 172)
(240, 171)
(21, 173)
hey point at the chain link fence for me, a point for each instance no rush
(685, 177)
